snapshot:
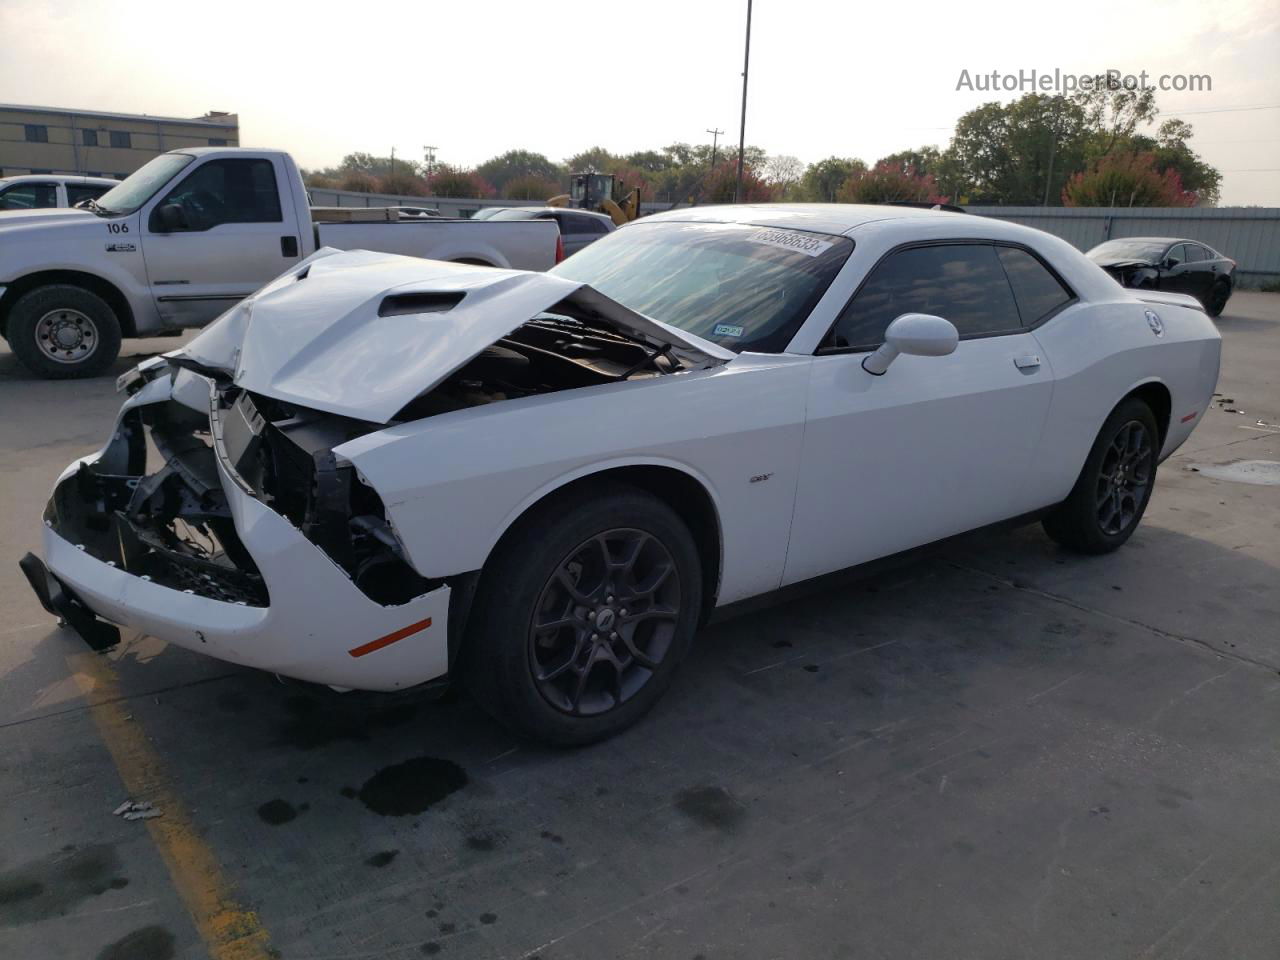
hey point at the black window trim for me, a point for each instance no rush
(189, 171)
(1072, 299)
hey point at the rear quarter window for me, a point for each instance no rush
(1038, 293)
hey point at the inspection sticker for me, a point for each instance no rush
(728, 330)
(810, 246)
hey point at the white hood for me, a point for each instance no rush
(320, 335)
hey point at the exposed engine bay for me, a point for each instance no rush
(154, 503)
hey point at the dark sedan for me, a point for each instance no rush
(1163, 263)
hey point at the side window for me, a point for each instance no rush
(963, 283)
(1197, 253)
(1177, 255)
(593, 226)
(84, 191)
(29, 196)
(1037, 292)
(227, 191)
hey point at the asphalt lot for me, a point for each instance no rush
(1000, 750)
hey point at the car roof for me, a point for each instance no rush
(540, 210)
(60, 177)
(1155, 240)
(834, 218)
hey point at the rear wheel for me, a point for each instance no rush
(583, 614)
(62, 331)
(1112, 492)
(1216, 302)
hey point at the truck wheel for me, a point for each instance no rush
(62, 331)
(583, 614)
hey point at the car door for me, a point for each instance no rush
(936, 445)
(233, 237)
(1175, 273)
(1201, 270)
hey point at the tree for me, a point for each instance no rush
(782, 170)
(822, 180)
(721, 183)
(1017, 153)
(1113, 115)
(889, 181)
(594, 160)
(1126, 180)
(529, 186)
(449, 181)
(518, 163)
(924, 160)
(1172, 152)
(404, 182)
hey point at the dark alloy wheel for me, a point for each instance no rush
(1121, 488)
(604, 622)
(582, 614)
(1114, 486)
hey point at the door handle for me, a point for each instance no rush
(1029, 362)
(289, 246)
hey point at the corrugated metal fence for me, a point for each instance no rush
(1249, 235)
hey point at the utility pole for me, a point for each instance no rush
(715, 137)
(393, 161)
(742, 130)
(429, 158)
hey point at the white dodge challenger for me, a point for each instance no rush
(379, 472)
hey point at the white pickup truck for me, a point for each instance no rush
(186, 236)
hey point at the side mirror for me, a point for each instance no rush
(916, 334)
(171, 217)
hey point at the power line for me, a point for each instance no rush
(1187, 113)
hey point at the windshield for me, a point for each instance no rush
(742, 287)
(141, 185)
(1129, 250)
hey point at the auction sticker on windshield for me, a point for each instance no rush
(804, 243)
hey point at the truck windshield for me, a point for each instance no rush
(141, 185)
(740, 286)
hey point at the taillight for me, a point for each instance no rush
(559, 248)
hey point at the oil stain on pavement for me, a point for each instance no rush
(412, 786)
(146, 943)
(51, 886)
(711, 807)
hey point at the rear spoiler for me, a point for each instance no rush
(1172, 299)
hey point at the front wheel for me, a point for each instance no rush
(1112, 492)
(62, 331)
(583, 614)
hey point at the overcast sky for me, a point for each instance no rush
(477, 77)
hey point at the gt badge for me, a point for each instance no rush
(1155, 323)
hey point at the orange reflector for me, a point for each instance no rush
(1189, 416)
(390, 638)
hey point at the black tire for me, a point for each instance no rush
(1109, 498)
(93, 332)
(503, 651)
(1219, 294)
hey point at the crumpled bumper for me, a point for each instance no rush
(316, 626)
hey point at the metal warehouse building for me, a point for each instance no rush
(58, 140)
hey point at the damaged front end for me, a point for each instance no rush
(236, 531)
(221, 514)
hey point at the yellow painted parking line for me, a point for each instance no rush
(229, 931)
